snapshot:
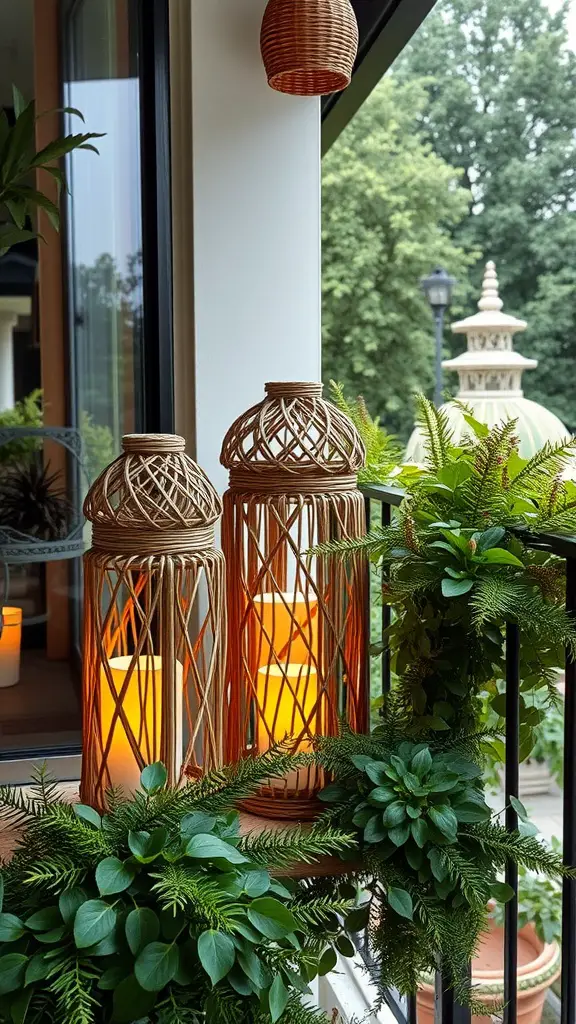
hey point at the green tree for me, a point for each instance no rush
(390, 206)
(502, 105)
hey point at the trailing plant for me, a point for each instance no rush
(457, 572)
(432, 852)
(159, 910)
(19, 161)
(539, 904)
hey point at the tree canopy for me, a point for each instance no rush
(466, 152)
(390, 207)
(500, 76)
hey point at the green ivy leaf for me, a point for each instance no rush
(490, 538)
(156, 966)
(12, 972)
(502, 892)
(421, 762)
(154, 777)
(70, 902)
(208, 847)
(19, 1006)
(196, 822)
(444, 819)
(146, 846)
(361, 761)
(131, 1001)
(113, 876)
(345, 946)
(94, 921)
(271, 918)
(239, 982)
(112, 978)
(381, 795)
(327, 961)
(499, 556)
(44, 920)
(399, 835)
(333, 794)
(519, 808)
(142, 927)
(438, 864)
(401, 903)
(377, 771)
(217, 954)
(455, 588)
(420, 832)
(256, 883)
(254, 969)
(278, 998)
(357, 920)
(11, 928)
(88, 814)
(39, 967)
(375, 831)
(394, 814)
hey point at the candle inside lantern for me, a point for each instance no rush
(142, 705)
(287, 629)
(288, 705)
(10, 644)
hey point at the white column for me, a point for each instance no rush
(255, 225)
(7, 323)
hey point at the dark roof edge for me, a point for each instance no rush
(395, 22)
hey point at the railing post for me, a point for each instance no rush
(511, 790)
(386, 611)
(568, 1011)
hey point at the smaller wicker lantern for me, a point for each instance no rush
(154, 619)
(309, 46)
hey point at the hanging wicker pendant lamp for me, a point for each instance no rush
(309, 46)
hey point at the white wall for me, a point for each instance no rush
(256, 225)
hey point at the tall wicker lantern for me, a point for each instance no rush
(296, 622)
(309, 46)
(154, 619)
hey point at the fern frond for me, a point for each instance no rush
(178, 888)
(72, 986)
(293, 845)
(437, 434)
(483, 495)
(374, 545)
(55, 873)
(549, 461)
(383, 454)
(319, 911)
(528, 851)
(220, 790)
(496, 599)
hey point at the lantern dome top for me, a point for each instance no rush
(153, 486)
(294, 431)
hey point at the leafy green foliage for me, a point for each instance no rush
(497, 75)
(389, 206)
(19, 160)
(431, 855)
(539, 903)
(383, 454)
(157, 910)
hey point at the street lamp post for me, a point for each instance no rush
(438, 290)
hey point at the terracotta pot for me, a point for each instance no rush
(538, 968)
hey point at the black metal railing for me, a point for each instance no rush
(380, 501)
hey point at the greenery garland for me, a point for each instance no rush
(159, 911)
(455, 572)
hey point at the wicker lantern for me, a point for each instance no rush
(309, 46)
(154, 619)
(297, 629)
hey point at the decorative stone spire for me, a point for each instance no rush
(490, 366)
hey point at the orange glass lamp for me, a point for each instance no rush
(10, 644)
(297, 639)
(154, 620)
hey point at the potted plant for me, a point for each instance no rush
(456, 573)
(160, 911)
(20, 160)
(539, 935)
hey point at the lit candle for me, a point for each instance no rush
(142, 706)
(288, 706)
(287, 629)
(10, 643)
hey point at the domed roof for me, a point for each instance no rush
(295, 431)
(153, 486)
(536, 425)
(490, 374)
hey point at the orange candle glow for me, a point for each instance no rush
(142, 705)
(288, 706)
(288, 629)
(10, 644)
